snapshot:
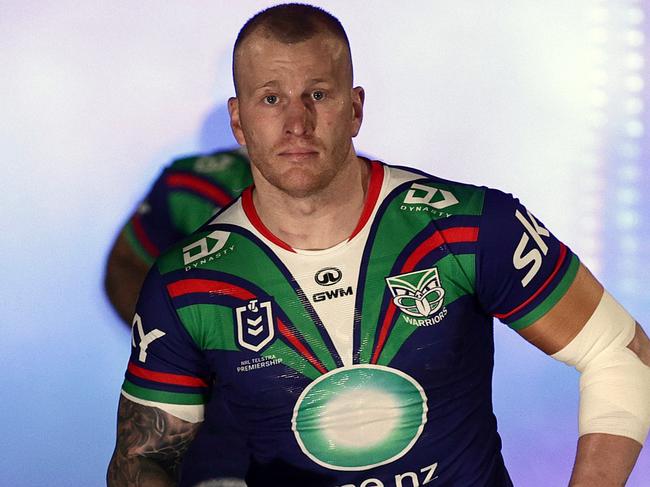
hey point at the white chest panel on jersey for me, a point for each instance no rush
(328, 277)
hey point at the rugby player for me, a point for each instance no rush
(346, 305)
(185, 195)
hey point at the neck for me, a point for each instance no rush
(320, 220)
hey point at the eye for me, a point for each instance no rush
(318, 95)
(270, 99)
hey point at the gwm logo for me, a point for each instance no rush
(254, 322)
(328, 276)
(418, 294)
(205, 247)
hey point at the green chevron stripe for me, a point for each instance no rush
(134, 243)
(291, 359)
(258, 268)
(189, 211)
(551, 300)
(210, 326)
(162, 396)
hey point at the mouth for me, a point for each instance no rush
(298, 154)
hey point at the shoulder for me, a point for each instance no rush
(212, 163)
(417, 191)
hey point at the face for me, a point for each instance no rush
(296, 111)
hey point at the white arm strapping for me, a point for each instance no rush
(614, 383)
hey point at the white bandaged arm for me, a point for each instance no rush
(614, 383)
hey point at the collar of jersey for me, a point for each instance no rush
(372, 195)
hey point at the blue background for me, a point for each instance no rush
(547, 100)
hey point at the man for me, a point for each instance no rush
(187, 193)
(346, 306)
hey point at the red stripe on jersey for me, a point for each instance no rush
(450, 235)
(202, 187)
(558, 264)
(374, 188)
(142, 237)
(282, 328)
(189, 286)
(251, 213)
(165, 378)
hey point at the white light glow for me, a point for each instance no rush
(360, 418)
(634, 61)
(634, 129)
(589, 161)
(593, 183)
(628, 196)
(630, 173)
(597, 118)
(599, 77)
(627, 220)
(590, 224)
(629, 244)
(634, 15)
(591, 204)
(634, 106)
(598, 98)
(630, 150)
(634, 38)
(590, 246)
(599, 35)
(634, 83)
(599, 14)
(629, 285)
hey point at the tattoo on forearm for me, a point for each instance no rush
(150, 446)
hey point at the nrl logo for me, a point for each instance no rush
(419, 293)
(255, 327)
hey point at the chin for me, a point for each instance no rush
(302, 185)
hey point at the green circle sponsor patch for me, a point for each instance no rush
(359, 417)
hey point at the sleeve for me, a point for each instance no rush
(166, 368)
(522, 269)
(150, 229)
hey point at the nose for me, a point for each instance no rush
(299, 118)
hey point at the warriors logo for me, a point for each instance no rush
(255, 327)
(419, 293)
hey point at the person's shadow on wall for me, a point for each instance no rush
(215, 133)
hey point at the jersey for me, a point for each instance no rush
(365, 364)
(187, 193)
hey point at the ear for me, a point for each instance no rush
(358, 97)
(235, 123)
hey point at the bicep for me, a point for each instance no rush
(557, 328)
(554, 330)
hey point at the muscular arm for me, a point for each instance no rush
(601, 459)
(150, 446)
(125, 273)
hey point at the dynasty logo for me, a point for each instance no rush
(419, 295)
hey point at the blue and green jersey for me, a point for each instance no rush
(366, 364)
